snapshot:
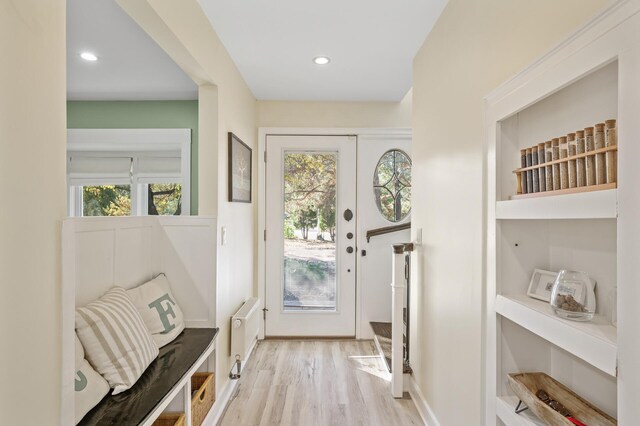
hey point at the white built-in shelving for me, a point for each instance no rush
(594, 342)
(589, 78)
(585, 205)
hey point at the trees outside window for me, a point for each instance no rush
(310, 192)
(115, 200)
(328, 219)
(305, 219)
(310, 230)
(106, 200)
(164, 199)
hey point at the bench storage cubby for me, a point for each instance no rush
(170, 371)
(203, 396)
(170, 419)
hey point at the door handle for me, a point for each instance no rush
(348, 215)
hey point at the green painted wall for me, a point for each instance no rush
(141, 115)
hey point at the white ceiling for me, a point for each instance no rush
(371, 44)
(131, 65)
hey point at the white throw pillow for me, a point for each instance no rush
(159, 310)
(90, 387)
(79, 353)
(115, 339)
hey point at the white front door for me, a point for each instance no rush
(384, 200)
(310, 236)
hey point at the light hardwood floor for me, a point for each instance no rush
(309, 383)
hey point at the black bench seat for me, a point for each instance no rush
(133, 406)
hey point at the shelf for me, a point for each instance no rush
(586, 205)
(505, 409)
(595, 342)
(566, 191)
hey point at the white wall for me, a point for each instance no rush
(225, 105)
(335, 114)
(32, 184)
(474, 46)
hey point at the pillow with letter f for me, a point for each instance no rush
(159, 310)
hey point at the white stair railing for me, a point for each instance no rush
(398, 288)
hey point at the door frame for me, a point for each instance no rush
(362, 134)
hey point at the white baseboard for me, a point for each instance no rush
(219, 407)
(406, 382)
(428, 417)
(250, 352)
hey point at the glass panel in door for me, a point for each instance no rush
(309, 272)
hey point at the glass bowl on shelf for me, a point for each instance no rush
(573, 296)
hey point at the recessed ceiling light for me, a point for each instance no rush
(88, 56)
(321, 60)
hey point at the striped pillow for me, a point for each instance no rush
(115, 339)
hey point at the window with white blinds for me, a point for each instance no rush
(84, 166)
(159, 166)
(121, 172)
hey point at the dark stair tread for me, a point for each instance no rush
(383, 330)
(382, 335)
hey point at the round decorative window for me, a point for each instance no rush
(392, 185)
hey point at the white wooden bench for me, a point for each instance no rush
(99, 253)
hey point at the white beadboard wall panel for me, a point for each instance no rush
(94, 264)
(187, 257)
(113, 251)
(134, 255)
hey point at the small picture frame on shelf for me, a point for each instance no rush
(541, 284)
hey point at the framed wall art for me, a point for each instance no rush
(239, 170)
